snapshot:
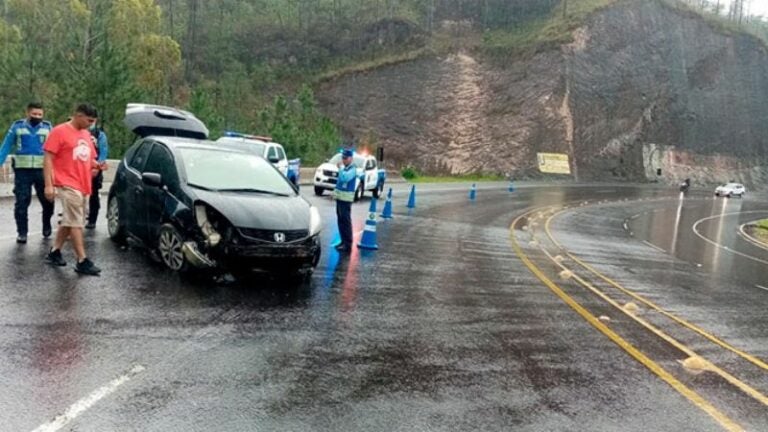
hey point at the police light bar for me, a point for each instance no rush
(232, 134)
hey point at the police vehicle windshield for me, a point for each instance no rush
(358, 160)
(218, 170)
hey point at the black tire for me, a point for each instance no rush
(170, 248)
(359, 192)
(319, 191)
(115, 225)
(728, 196)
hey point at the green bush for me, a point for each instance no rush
(409, 173)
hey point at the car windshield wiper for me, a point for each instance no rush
(197, 186)
(253, 190)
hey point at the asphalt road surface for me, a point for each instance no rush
(550, 308)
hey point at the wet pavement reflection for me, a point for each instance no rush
(442, 328)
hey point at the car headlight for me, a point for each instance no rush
(315, 223)
(201, 216)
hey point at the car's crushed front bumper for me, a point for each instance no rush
(269, 256)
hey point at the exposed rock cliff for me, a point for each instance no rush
(639, 76)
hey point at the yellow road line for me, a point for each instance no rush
(672, 341)
(654, 367)
(752, 359)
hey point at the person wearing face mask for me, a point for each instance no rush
(25, 139)
(101, 149)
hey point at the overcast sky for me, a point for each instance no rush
(759, 7)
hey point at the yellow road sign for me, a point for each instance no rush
(553, 163)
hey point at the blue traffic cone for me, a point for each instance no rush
(412, 198)
(511, 186)
(368, 240)
(387, 213)
(473, 192)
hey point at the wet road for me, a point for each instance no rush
(463, 320)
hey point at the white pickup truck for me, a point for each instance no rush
(266, 148)
(369, 176)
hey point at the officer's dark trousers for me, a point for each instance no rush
(344, 216)
(94, 203)
(24, 180)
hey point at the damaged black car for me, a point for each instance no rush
(199, 205)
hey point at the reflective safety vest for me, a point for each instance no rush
(26, 142)
(345, 186)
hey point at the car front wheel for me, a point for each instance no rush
(170, 245)
(319, 191)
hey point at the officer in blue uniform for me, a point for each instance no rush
(101, 145)
(345, 195)
(25, 139)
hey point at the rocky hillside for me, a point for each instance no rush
(643, 87)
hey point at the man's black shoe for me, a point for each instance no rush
(22, 239)
(90, 225)
(54, 258)
(47, 232)
(87, 267)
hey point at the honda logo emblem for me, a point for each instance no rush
(280, 237)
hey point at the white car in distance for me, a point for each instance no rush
(730, 190)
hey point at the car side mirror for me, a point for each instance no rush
(152, 179)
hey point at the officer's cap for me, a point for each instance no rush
(347, 153)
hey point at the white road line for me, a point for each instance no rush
(82, 405)
(748, 238)
(654, 246)
(718, 245)
(761, 287)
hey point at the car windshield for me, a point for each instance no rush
(251, 146)
(232, 171)
(358, 160)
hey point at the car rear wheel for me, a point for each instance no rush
(319, 191)
(170, 245)
(115, 226)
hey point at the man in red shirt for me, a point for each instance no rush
(67, 168)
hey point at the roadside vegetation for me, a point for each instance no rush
(760, 231)
(250, 65)
(412, 175)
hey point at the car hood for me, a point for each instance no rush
(328, 167)
(334, 168)
(259, 211)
